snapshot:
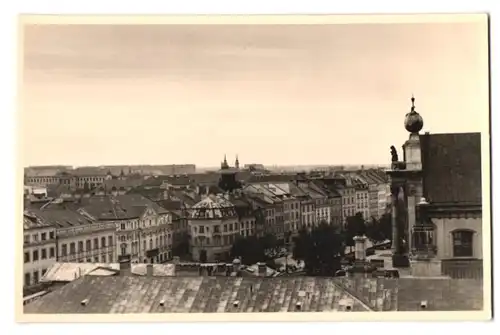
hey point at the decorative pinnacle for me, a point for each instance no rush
(412, 102)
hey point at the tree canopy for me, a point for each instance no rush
(321, 249)
(253, 249)
(355, 226)
(381, 229)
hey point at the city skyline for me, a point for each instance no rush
(158, 94)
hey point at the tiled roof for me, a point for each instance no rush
(68, 272)
(451, 165)
(119, 207)
(33, 221)
(213, 207)
(57, 190)
(129, 294)
(192, 294)
(61, 217)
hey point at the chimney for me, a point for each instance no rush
(125, 266)
(262, 269)
(359, 248)
(149, 270)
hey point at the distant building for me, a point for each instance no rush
(214, 226)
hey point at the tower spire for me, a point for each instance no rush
(412, 103)
(237, 162)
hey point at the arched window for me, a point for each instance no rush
(462, 243)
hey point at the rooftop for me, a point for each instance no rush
(141, 294)
(67, 272)
(59, 217)
(451, 164)
(213, 207)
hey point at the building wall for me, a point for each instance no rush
(444, 240)
(148, 239)
(384, 197)
(308, 213)
(246, 226)
(336, 214)
(362, 203)
(39, 249)
(216, 237)
(373, 201)
(93, 243)
(348, 202)
(292, 215)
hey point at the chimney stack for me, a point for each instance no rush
(149, 270)
(125, 265)
(359, 248)
(262, 269)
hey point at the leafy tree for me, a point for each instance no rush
(181, 246)
(250, 249)
(269, 242)
(321, 250)
(355, 226)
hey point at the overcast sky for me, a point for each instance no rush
(273, 94)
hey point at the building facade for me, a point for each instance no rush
(144, 229)
(214, 226)
(39, 248)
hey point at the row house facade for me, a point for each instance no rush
(143, 229)
(80, 238)
(39, 249)
(273, 205)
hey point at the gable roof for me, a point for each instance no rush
(451, 165)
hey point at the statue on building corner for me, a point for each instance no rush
(394, 154)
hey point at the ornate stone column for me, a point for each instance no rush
(394, 216)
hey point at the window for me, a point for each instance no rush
(202, 229)
(150, 244)
(27, 279)
(80, 246)
(88, 246)
(26, 257)
(110, 240)
(225, 228)
(35, 255)
(44, 271)
(103, 242)
(35, 237)
(103, 258)
(462, 243)
(52, 252)
(230, 227)
(96, 243)
(72, 247)
(89, 260)
(64, 250)
(51, 235)
(44, 236)
(26, 239)
(35, 277)
(44, 253)
(123, 248)
(96, 259)
(122, 226)
(216, 229)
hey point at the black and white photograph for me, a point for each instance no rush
(254, 167)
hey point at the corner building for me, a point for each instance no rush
(213, 225)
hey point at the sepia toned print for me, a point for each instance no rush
(252, 169)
